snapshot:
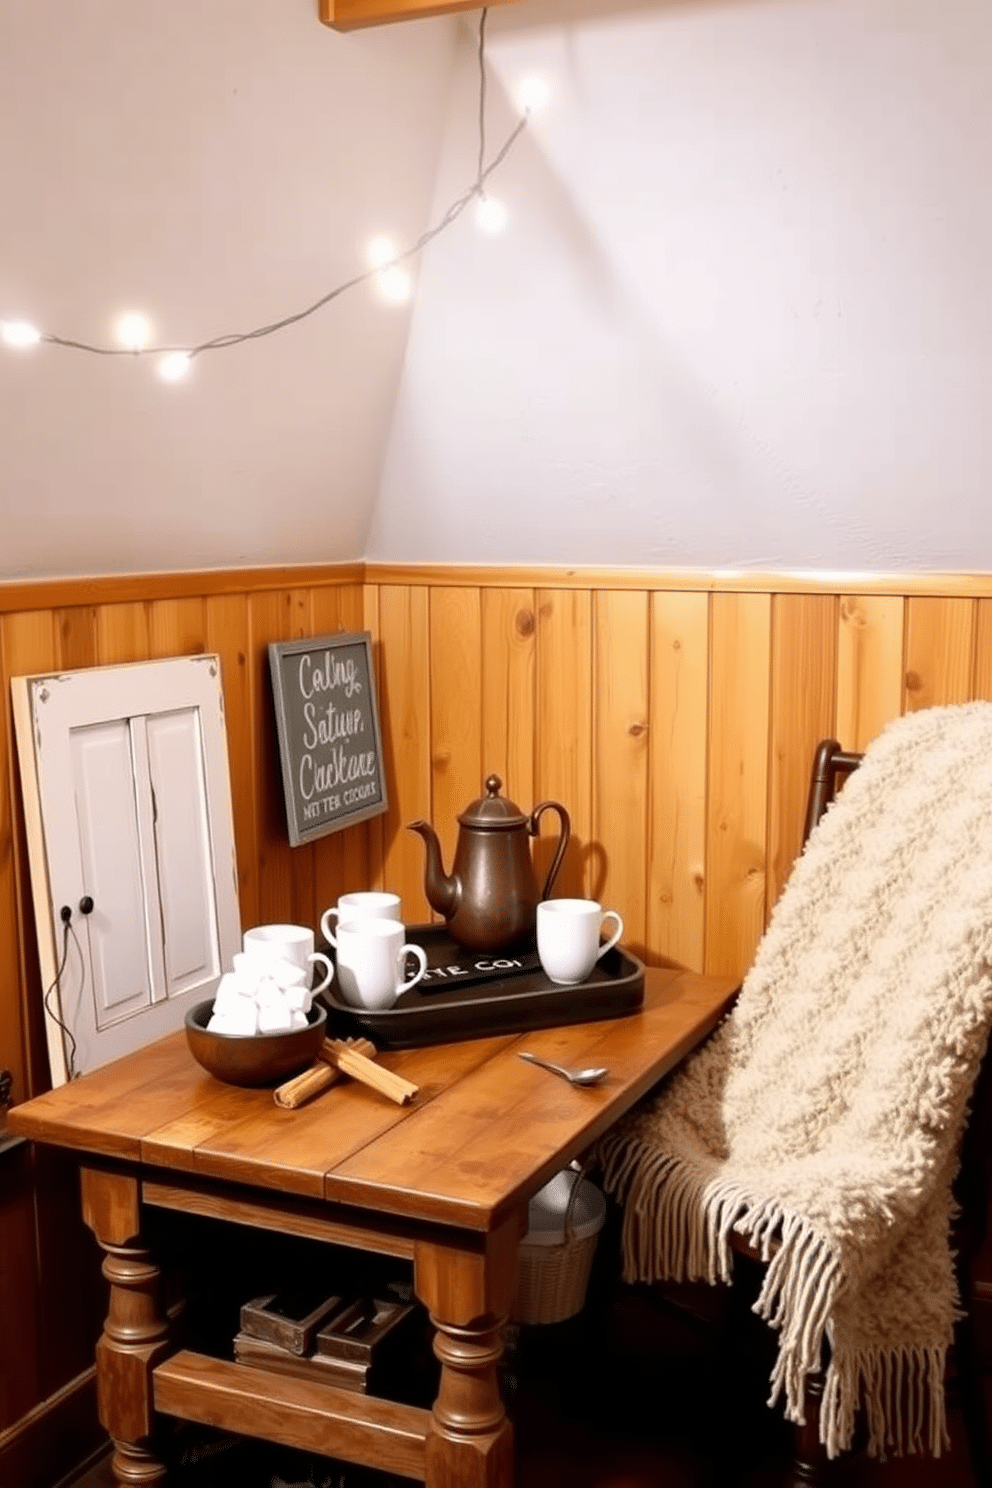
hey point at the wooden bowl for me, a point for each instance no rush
(257, 1058)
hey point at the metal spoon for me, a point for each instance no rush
(574, 1077)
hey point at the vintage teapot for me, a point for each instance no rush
(489, 898)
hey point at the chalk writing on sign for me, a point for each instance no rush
(328, 724)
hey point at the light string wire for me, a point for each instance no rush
(454, 211)
(55, 985)
(482, 95)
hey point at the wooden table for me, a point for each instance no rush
(443, 1182)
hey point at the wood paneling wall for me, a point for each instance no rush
(674, 716)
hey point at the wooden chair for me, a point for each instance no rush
(831, 766)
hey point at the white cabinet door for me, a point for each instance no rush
(131, 840)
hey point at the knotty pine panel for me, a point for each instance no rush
(405, 707)
(77, 632)
(982, 683)
(122, 632)
(372, 838)
(620, 758)
(226, 633)
(803, 691)
(940, 645)
(285, 873)
(869, 666)
(563, 743)
(677, 735)
(737, 825)
(455, 616)
(509, 689)
(176, 627)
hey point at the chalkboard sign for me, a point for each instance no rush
(328, 724)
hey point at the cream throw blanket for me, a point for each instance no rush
(823, 1116)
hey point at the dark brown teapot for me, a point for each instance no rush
(490, 897)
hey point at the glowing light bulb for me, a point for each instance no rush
(395, 285)
(19, 333)
(134, 330)
(175, 366)
(380, 252)
(490, 215)
(532, 94)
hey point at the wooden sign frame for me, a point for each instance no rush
(330, 744)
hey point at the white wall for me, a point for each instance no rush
(218, 165)
(743, 315)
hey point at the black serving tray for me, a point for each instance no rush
(468, 994)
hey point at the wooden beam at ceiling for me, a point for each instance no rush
(349, 15)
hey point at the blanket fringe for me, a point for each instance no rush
(902, 1394)
(677, 1227)
(799, 1289)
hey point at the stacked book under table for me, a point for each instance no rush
(354, 1343)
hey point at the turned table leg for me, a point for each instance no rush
(469, 1294)
(471, 1440)
(135, 1336)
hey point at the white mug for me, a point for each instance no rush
(292, 943)
(364, 904)
(372, 961)
(568, 932)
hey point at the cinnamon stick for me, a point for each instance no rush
(347, 1058)
(302, 1088)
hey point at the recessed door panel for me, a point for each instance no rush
(183, 854)
(110, 863)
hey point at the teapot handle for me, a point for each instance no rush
(565, 833)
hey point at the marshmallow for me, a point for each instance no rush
(240, 1017)
(277, 1018)
(299, 999)
(263, 994)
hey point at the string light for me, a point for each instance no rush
(174, 366)
(387, 268)
(490, 214)
(392, 282)
(19, 333)
(134, 331)
(394, 285)
(381, 252)
(532, 95)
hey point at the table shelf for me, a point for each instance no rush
(314, 1417)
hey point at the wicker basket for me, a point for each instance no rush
(555, 1256)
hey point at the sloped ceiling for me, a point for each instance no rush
(218, 168)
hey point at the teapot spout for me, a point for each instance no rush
(441, 888)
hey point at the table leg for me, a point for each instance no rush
(135, 1336)
(469, 1293)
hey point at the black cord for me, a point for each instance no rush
(482, 92)
(56, 1017)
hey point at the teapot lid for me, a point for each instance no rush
(492, 809)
